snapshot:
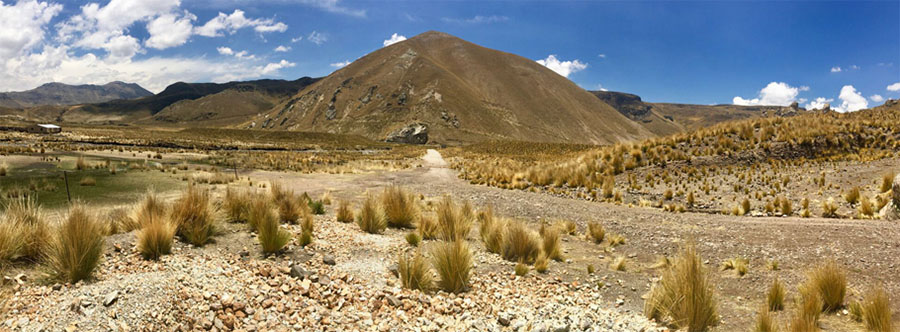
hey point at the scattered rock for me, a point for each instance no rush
(416, 133)
(328, 260)
(110, 298)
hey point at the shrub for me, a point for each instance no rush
(541, 263)
(272, 238)
(887, 182)
(830, 283)
(290, 208)
(149, 209)
(77, 247)
(765, 322)
(306, 238)
(569, 226)
(596, 232)
(428, 228)
(745, 206)
(307, 227)
(344, 213)
(618, 264)
(414, 273)
(371, 219)
(237, 205)
(852, 196)
(194, 216)
(550, 239)
(684, 295)
(453, 262)
(520, 243)
(413, 239)
(454, 222)
(27, 223)
(775, 296)
(786, 208)
(616, 240)
(155, 238)
(855, 309)
(739, 265)
(829, 208)
(316, 207)
(12, 242)
(521, 269)
(399, 207)
(866, 208)
(876, 311)
(88, 181)
(590, 269)
(809, 307)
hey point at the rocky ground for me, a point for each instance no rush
(343, 281)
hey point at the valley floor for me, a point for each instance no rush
(343, 282)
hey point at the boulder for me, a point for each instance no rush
(891, 210)
(416, 133)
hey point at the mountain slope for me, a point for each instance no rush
(63, 94)
(460, 91)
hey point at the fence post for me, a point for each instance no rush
(66, 178)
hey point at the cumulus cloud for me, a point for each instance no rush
(395, 38)
(170, 30)
(296, 39)
(894, 87)
(564, 68)
(851, 100)
(275, 66)
(282, 48)
(775, 93)
(876, 98)
(341, 64)
(477, 19)
(244, 55)
(819, 103)
(836, 69)
(235, 21)
(22, 26)
(317, 38)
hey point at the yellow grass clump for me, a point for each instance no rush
(77, 247)
(399, 207)
(371, 218)
(453, 262)
(194, 216)
(684, 296)
(415, 273)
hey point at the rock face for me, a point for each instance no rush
(416, 133)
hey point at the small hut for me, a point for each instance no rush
(43, 128)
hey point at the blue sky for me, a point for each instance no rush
(774, 52)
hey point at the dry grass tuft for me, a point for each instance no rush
(829, 208)
(887, 182)
(453, 262)
(551, 247)
(454, 222)
(149, 209)
(596, 232)
(616, 240)
(830, 283)
(77, 247)
(415, 273)
(12, 242)
(272, 238)
(25, 222)
(852, 196)
(739, 265)
(399, 207)
(344, 213)
(194, 216)
(765, 322)
(876, 311)
(155, 238)
(428, 228)
(237, 205)
(619, 264)
(413, 239)
(290, 208)
(541, 263)
(88, 181)
(809, 307)
(520, 243)
(684, 295)
(775, 296)
(521, 269)
(371, 219)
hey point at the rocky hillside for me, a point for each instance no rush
(668, 118)
(438, 88)
(63, 94)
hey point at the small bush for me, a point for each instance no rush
(540, 265)
(829, 208)
(77, 247)
(194, 216)
(491, 231)
(876, 311)
(775, 296)
(739, 265)
(237, 205)
(590, 269)
(344, 213)
(428, 228)
(830, 283)
(684, 295)
(852, 196)
(866, 208)
(550, 239)
(316, 207)
(413, 239)
(12, 242)
(453, 262)
(765, 322)
(88, 181)
(616, 240)
(596, 232)
(290, 208)
(786, 208)
(371, 219)
(521, 269)
(414, 273)
(155, 238)
(27, 223)
(149, 209)
(454, 222)
(887, 182)
(618, 264)
(399, 207)
(272, 238)
(809, 307)
(520, 243)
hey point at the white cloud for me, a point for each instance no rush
(477, 19)
(225, 50)
(851, 100)
(341, 64)
(317, 38)
(601, 55)
(894, 87)
(273, 67)
(803, 88)
(876, 98)
(601, 88)
(775, 93)
(333, 6)
(854, 67)
(282, 48)
(836, 69)
(244, 55)
(819, 103)
(22, 26)
(168, 30)
(564, 68)
(395, 38)
(297, 39)
(235, 21)
(106, 27)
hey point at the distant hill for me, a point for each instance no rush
(668, 118)
(58, 94)
(456, 92)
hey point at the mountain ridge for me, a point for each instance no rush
(61, 94)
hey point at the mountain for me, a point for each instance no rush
(58, 94)
(455, 92)
(669, 118)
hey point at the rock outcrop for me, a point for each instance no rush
(416, 133)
